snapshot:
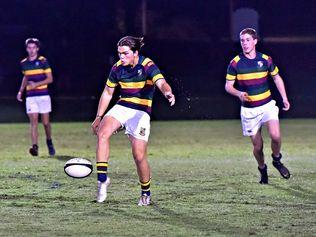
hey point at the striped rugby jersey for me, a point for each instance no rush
(252, 77)
(137, 84)
(36, 71)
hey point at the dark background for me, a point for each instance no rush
(191, 42)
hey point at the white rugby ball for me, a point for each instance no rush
(78, 168)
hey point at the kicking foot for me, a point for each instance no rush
(144, 200)
(102, 190)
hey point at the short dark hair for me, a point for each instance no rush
(33, 41)
(249, 31)
(134, 43)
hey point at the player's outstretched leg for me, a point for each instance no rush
(106, 128)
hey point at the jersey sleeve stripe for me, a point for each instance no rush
(157, 77)
(118, 63)
(230, 77)
(275, 71)
(111, 84)
(236, 59)
(266, 57)
(146, 61)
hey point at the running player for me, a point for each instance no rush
(37, 75)
(250, 70)
(137, 77)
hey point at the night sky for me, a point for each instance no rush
(189, 40)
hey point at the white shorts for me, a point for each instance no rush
(253, 118)
(38, 104)
(136, 122)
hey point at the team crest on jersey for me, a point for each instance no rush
(139, 72)
(37, 63)
(260, 63)
(142, 131)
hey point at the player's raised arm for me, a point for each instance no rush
(166, 90)
(22, 88)
(104, 101)
(281, 88)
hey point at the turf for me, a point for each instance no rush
(205, 183)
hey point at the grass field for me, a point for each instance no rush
(205, 183)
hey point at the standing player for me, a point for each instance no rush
(250, 70)
(137, 77)
(37, 75)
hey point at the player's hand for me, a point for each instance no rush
(19, 96)
(243, 96)
(286, 105)
(95, 125)
(32, 85)
(170, 97)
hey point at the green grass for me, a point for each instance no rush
(205, 183)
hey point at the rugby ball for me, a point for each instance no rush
(78, 168)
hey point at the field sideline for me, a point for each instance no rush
(205, 183)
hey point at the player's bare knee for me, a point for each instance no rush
(275, 137)
(104, 135)
(46, 124)
(34, 123)
(139, 157)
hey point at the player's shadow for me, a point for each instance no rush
(297, 191)
(171, 217)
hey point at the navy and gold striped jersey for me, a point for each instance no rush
(252, 76)
(36, 71)
(137, 83)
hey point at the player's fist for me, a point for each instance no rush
(19, 96)
(243, 96)
(286, 105)
(95, 125)
(170, 97)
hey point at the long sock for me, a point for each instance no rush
(49, 142)
(102, 169)
(145, 187)
(264, 169)
(276, 158)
